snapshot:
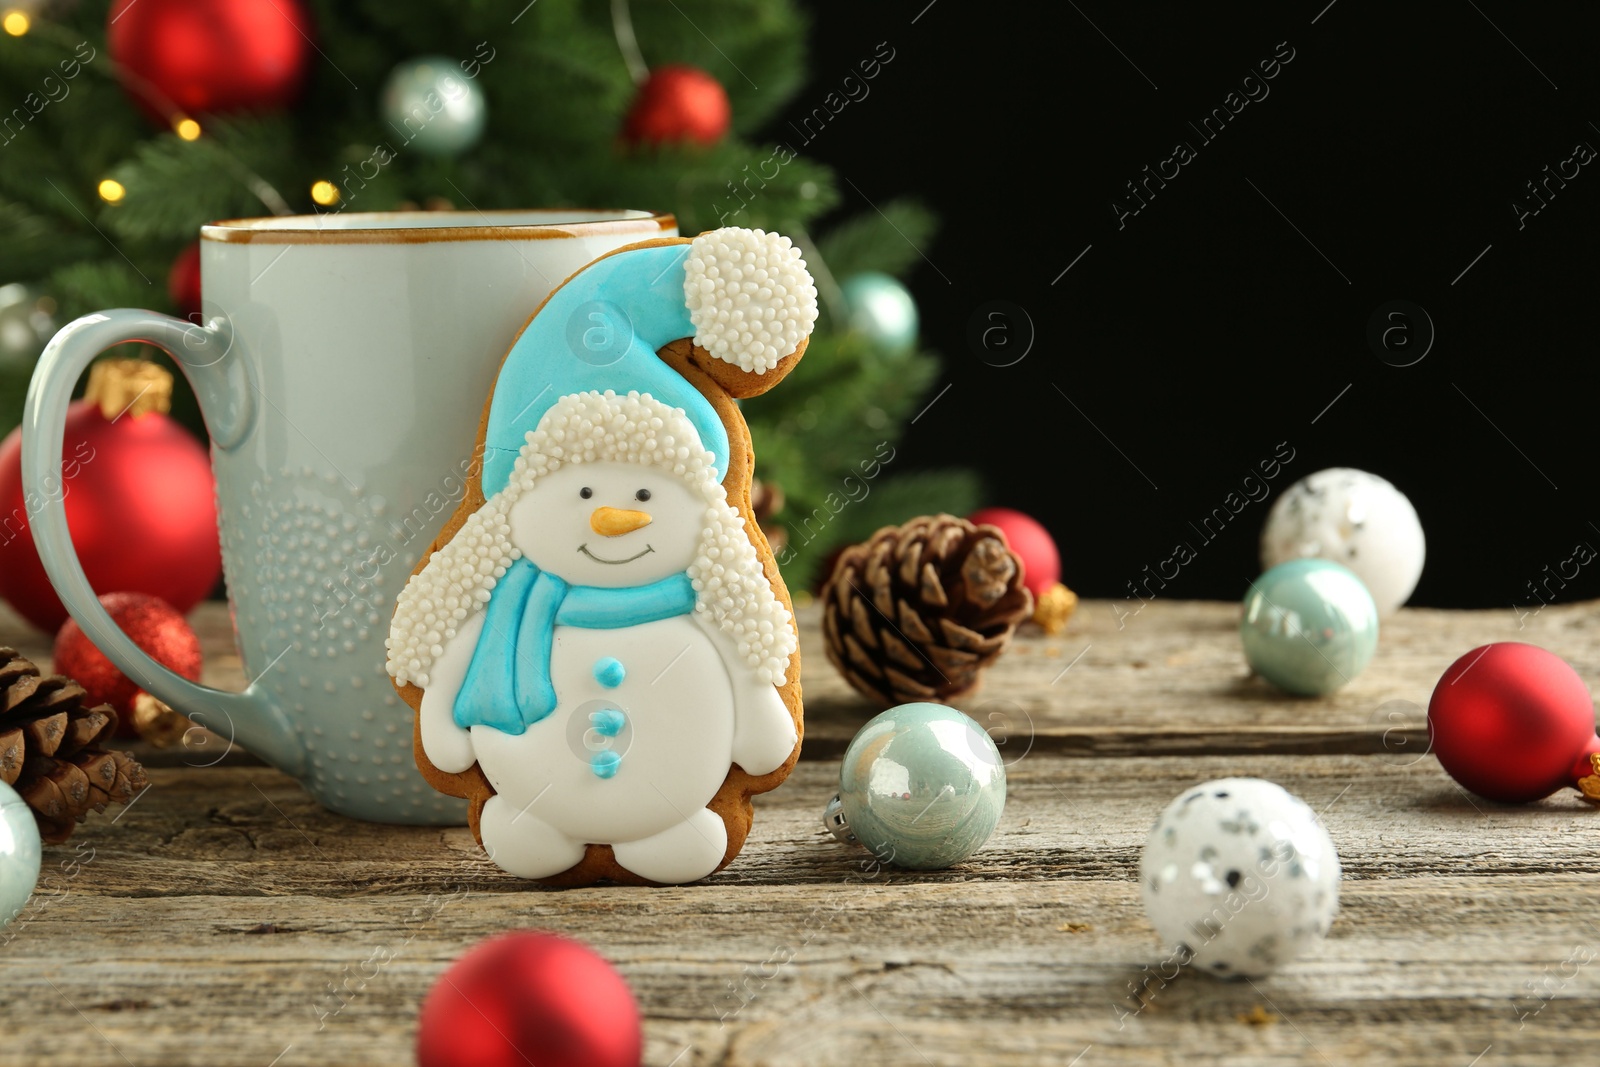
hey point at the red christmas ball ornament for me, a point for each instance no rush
(529, 997)
(1041, 563)
(195, 57)
(155, 626)
(1514, 723)
(183, 281)
(138, 492)
(678, 104)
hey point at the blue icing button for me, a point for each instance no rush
(609, 672)
(605, 764)
(608, 722)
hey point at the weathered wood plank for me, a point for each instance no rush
(1462, 922)
(252, 831)
(1466, 929)
(1171, 679)
(758, 976)
(1167, 680)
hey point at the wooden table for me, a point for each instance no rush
(226, 920)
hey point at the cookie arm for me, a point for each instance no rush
(448, 746)
(763, 730)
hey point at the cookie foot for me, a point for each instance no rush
(524, 845)
(682, 853)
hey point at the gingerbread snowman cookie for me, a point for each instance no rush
(598, 646)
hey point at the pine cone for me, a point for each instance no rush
(50, 748)
(918, 611)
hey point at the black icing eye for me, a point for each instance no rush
(586, 492)
(643, 494)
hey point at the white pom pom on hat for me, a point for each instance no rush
(750, 297)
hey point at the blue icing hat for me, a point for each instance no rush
(599, 331)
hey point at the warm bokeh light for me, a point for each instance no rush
(324, 193)
(16, 23)
(188, 129)
(112, 191)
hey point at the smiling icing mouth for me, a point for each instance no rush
(585, 550)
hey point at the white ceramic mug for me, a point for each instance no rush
(341, 365)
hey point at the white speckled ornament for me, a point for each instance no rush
(1354, 518)
(1239, 877)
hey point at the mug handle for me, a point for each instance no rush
(227, 401)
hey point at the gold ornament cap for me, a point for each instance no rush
(157, 723)
(1589, 784)
(129, 387)
(1054, 608)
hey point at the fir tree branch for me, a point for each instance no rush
(92, 285)
(886, 242)
(33, 244)
(175, 186)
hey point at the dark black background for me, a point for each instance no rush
(1207, 330)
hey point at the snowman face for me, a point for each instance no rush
(609, 524)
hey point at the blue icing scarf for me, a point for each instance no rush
(508, 681)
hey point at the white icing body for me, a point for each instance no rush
(685, 724)
(680, 746)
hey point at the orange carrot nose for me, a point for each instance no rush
(614, 522)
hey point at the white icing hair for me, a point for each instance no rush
(749, 295)
(730, 585)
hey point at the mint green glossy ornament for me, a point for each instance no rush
(1309, 626)
(921, 786)
(19, 853)
(432, 105)
(881, 309)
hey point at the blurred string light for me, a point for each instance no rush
(187, 128)
(111, 190)
(324, 193)
(16, 23)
